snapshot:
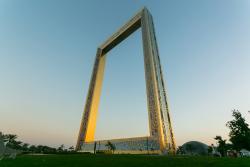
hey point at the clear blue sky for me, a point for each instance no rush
(47, 50)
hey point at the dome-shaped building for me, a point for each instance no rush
(194, 148)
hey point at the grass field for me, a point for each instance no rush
(121, 160)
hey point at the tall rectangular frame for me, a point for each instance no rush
(158, 111)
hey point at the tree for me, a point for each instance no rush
(39, 149)
(10, 137)
(222, 146)
(210, 149)
(71, 149)
(95, 148)
(33, 149)
(60, 148)
(239, 133)
(111, 146)
(180, 150)
(25, 147)
(12, 142)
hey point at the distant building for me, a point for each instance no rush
(244, 153)
(194, 148)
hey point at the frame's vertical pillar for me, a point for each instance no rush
(152, 98)
(168, 136)
(88, 122)
(155, 87)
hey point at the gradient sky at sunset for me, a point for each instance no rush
(47, 50)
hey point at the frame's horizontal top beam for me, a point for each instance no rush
(131, 26)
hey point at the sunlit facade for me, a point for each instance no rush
(161, 138)
(136, 145)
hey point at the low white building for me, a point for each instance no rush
(244, 153)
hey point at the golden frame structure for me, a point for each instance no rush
(158, 111)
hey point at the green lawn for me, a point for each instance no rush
(121, 160)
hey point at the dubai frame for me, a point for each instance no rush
(161, 138)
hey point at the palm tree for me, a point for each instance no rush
(111, 146)
(11, 141)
